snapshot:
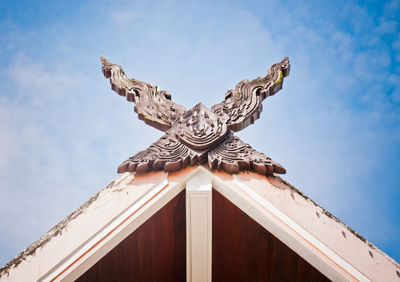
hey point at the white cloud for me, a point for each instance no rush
(123, 17)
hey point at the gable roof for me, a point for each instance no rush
(79, 241)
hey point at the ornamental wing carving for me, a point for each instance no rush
(199, 134)
(233, 155)
(153, 106)
(167, 153)
(243, 105)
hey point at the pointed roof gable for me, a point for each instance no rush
(200, 153)
(84, 237)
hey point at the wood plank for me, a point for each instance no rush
(156, 251)
(244, 251)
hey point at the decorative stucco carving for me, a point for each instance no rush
(200, 128)
(153, 106)
(233, 155)
(242, 106)
(166, 153)
(199, 134)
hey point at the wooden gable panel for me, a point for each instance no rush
(156, 251)
(242, 250)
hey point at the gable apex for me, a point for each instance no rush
(84, 237)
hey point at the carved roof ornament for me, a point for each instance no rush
(199, 135)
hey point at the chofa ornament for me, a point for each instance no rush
(199, 135)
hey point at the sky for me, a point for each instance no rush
(335, 126)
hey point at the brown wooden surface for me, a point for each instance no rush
(242, 250)
(156, 251)
(191, 134)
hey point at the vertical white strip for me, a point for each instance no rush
(198, 228)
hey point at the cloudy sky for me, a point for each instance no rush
(335, 126)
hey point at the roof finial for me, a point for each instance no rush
(199, 134)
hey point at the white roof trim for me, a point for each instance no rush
(107, 238)
(348, 272)
(118, 229)
(130, 200)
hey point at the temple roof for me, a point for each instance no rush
(86, 235)
(199, 155)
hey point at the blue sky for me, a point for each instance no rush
(335, 126)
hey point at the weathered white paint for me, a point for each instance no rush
(88, 221)
(361, 254)
(108, 237)
(198, 227)
(119, 228)
(323, 241)
(256, 201)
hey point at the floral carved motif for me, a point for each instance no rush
(167, 153)
(200, 128)
(233, 155)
